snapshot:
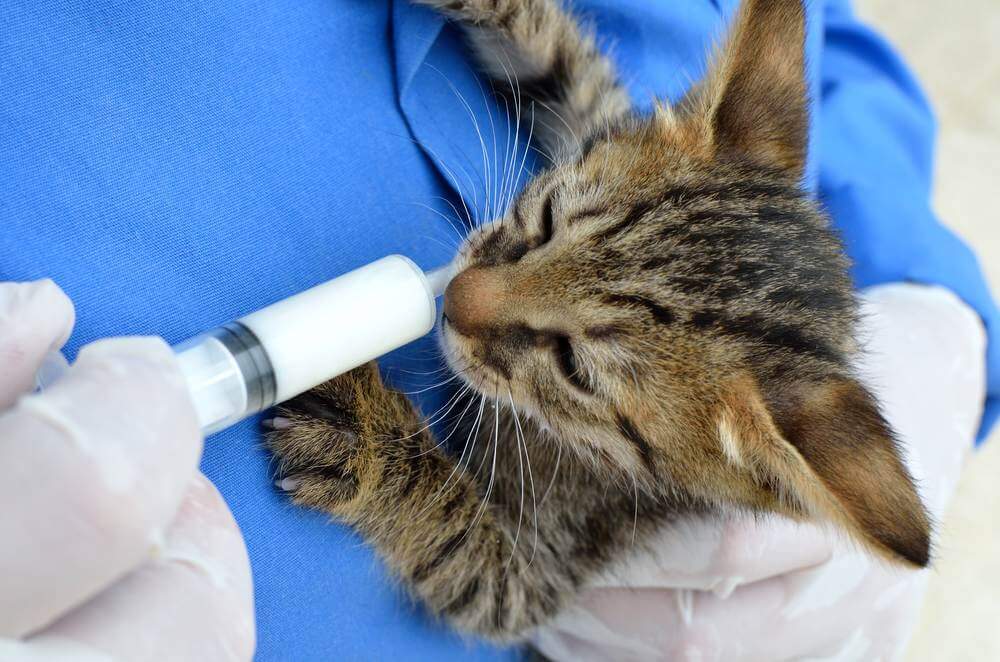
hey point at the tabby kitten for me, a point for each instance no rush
(666, 311)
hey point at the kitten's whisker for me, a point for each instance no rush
(475, 124)
(491, 167)
(510, 187)
(496, 173)
(555, 472)
(472, 186)
(524, 156)
(520, 512)
(531, 480)
(423, 373)
(444, 489)
(547, 156)
(441, 443)
(551, 155)
(505, 179)
(558, 116)
(474, 430)
(493, 468)
(431, 387)
(467, 222)
(607, 123)
(451, 223)
(450, 247)
(461, 194)
(635, 513)
(438, 161)
(463, 463)
(432, 420)
(520, 111)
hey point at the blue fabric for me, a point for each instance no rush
(174, 166)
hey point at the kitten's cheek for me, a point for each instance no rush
(457, 354)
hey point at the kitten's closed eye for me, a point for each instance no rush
(546, 227)
(566, 359)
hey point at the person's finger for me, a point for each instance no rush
(92, 472)
(194, 601)
(852, 606)
(34, 318)
(718, 556)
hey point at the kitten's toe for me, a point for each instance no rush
(288, 483)
(326, 488)
(276, 423)
(317, 439)
(330, 438)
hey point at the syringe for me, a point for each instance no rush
(274, 354)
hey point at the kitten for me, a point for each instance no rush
(664, 308)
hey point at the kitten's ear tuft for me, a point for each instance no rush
(827, 451)
(753, 102)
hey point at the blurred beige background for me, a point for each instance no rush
(955, 50)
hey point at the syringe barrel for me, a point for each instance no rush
(287, 348)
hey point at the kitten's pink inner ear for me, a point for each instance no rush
(830, 453)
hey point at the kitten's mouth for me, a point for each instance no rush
(483, 379)
(461, 361)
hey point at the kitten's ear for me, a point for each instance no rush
(753, 101)
(826, 450)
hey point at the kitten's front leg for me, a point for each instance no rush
(357, 450)
(537, 49)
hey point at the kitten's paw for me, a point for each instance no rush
(474, 11)
(329, 441)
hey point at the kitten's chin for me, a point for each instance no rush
(460, 362)
(482, 379)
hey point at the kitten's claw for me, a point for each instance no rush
(288, 483)
(276, 423)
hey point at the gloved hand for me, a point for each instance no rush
(772, 590)
(112, 544)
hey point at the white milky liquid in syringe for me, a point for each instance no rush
(291, 346)
(287, 348)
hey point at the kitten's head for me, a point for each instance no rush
(670, 302)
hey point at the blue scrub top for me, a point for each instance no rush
(176, 165)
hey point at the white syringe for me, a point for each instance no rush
(287, 348)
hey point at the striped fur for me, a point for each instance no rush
(668, 313)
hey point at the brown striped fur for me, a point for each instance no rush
(666, 310)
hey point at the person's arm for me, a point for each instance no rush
(875, 153)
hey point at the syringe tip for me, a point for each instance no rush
(439, 279)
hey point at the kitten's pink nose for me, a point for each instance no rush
(472, 300)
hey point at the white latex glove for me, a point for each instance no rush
(112, 545)
(774, 590)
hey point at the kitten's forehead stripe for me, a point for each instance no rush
(660, 313)
(603, 331)
(820, 298)
(775, 334)
(634, 215)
